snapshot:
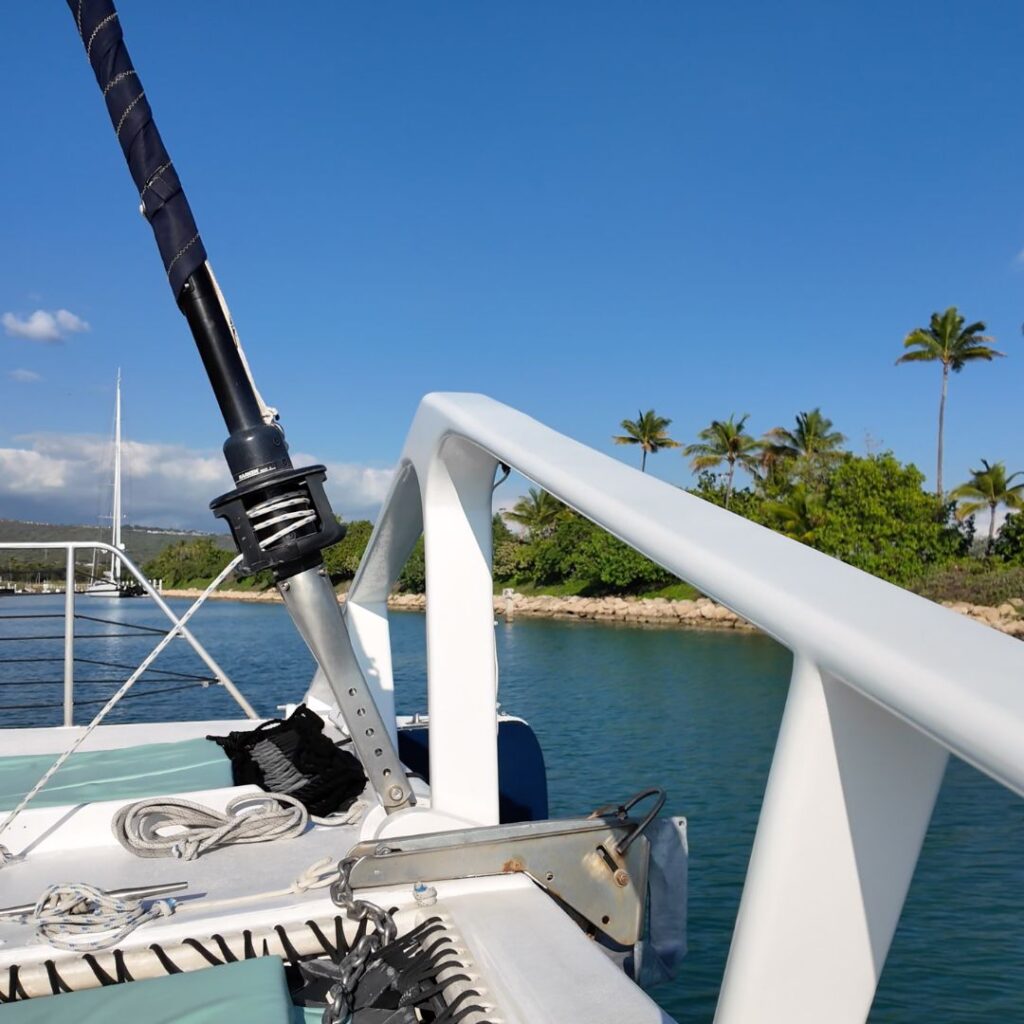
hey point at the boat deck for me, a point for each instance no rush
(517, 945)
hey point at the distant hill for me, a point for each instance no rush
(143, 543)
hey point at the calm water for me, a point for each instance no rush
(618, 709)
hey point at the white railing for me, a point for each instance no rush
(71, 549)
(885, 684)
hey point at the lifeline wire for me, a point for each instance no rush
(5, 856)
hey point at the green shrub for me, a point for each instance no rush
(1009, 545)
(342, 559)
(189, 563)
(413, 579)
(876, 516)
(974, 581)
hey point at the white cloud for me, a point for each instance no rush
(69, 322)
(24, 376)
(43, 325)
(356, 491)
(65, 478)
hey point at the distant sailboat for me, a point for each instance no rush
(110, 584)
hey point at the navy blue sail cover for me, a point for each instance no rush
(163, 201)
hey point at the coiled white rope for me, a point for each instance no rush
(81, 917)
(169, 827)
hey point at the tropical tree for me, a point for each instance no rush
(812, 444)
(725, 441)
(1009, 545)
(537, 512)
(798, 515)
(946, 340)
(989, 487)
(649, 431)
(341, 560)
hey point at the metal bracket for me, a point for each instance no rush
(577, 860)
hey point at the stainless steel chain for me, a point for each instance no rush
(382, 930)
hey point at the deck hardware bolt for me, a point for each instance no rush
(549, 876)
(396, 793)
(382, 851)
(621, 878)
(321, 571)
(286, 585)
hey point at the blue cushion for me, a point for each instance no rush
(253, 991)
(153, 769)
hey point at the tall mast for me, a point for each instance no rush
(115, 562)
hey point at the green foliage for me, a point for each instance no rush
(1009, 545)
(553, 559)
(806, 453)
(798, 515)
(413, 579)
(537, 513)
(989, 487)
(342, 559)
(605, 564)
(974, 581)
(578, 556)
(142, 545)
(945, 340)
(745, 502)
(726, 441)
(874, 514)
(188, 563)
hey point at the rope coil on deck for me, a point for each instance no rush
(169, 827)
(79, 917)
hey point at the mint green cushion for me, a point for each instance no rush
(250, 991)
(153, 769)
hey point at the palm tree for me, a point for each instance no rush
(947, 341)
(989, 488)
(812, 442)
(725, 441)
(648, 431)
(538, 513)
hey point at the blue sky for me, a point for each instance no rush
(579, 209)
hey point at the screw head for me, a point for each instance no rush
(621, 878)
(286, 585)
(396, 793)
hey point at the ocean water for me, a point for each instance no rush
(616, 709)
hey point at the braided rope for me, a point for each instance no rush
(170, 827)
(82, 917)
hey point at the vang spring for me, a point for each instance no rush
(294, 510)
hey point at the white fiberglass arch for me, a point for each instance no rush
(884, 685)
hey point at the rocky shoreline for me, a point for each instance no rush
(659, 611)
